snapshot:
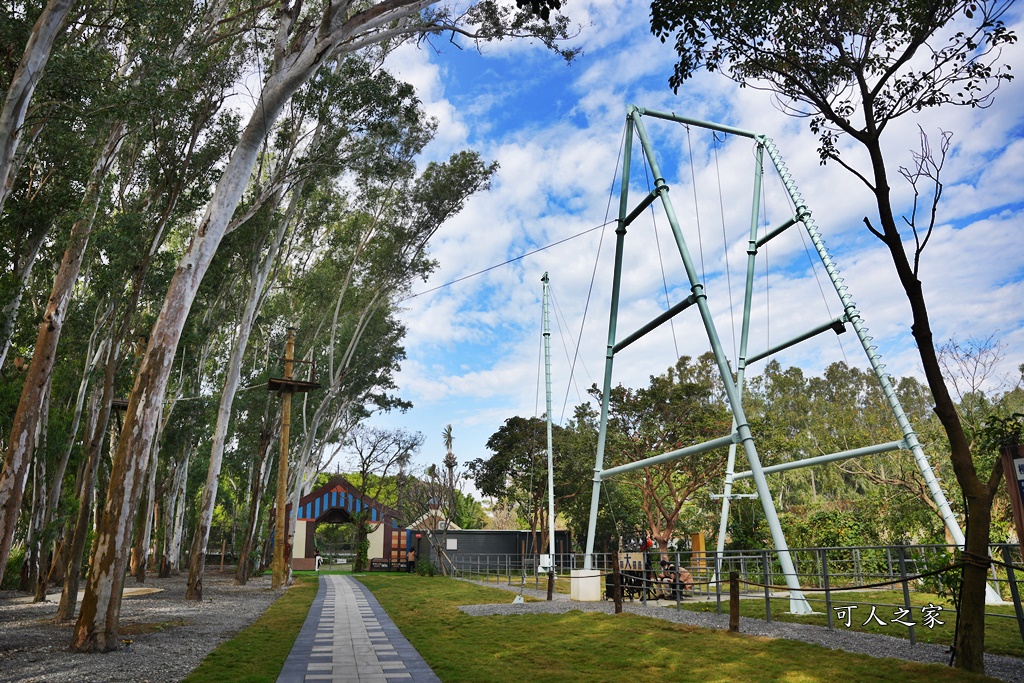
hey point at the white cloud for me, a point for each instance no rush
(473, 347)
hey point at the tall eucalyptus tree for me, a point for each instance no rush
(306, 38)
(22, 87)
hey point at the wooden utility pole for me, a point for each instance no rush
(280, 525)
(285, 387)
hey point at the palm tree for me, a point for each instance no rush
(450, 462)
(449, 459)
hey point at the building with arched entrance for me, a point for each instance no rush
(338, 502)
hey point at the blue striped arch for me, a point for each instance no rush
(312, 508)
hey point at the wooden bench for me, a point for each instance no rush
(379, 564)
(634, 585)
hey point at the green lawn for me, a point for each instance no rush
(581, 646)
(1001, 635)
(562, 583)
(257, 654)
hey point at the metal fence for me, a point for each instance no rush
(823, 572)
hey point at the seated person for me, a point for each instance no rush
(672, 577)
(685, 578)
(669, 575)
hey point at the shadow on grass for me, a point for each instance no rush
(579, 646)
(1002, 637)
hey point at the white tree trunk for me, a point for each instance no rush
(92, 356)
(295, 63)
(40, 372)
(145, 532)
(23, 271)
(86, 492)
(259, 477)
(179, 514)
(258, 280)
(23, 86)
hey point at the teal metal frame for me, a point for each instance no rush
(741, 435)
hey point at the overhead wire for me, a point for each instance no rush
(511, 260)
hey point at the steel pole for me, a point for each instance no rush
(551, 460)
(613, 315)
(854, 316)
(748, 294)
(798, 604)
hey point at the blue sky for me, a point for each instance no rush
(473, 348)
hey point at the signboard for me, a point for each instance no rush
(1018, 469)
(1013, 468)
(631, 562)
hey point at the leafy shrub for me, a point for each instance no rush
(12, 572)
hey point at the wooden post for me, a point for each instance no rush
(734, 601)
(280, 525)
(616, 583)
(223, 549)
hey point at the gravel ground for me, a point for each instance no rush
(35, 648)
(1004, 668)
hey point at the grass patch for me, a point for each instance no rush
(581, 646)
(257, 654)
(1002, 637)
(562, 582)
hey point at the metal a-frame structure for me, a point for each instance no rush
(741, 435)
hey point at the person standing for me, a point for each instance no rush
(410, 561)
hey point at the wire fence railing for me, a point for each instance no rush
(822, 573)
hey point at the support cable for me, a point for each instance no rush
(725, 247)
(512, 260)
(540, 360)
(597, 257)
(817, 279)
(696, 210)
(565, 323)
(561, 336)
(767, 280)
(661, 263)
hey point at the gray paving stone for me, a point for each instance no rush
(348, 638)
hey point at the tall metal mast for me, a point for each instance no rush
(551, 474)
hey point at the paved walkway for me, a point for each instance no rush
(348, 638)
